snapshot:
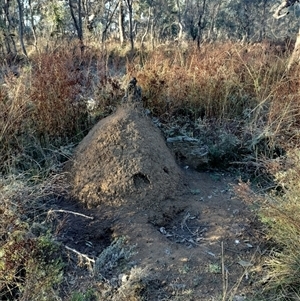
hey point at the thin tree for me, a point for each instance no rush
(280, 13)
(109, 20)
(33, 27)
(8, 35)
(200, 23)
(179, 17)
(121, 23)
(21, 26)
(147, 26)
(130, 13)
(77, 21)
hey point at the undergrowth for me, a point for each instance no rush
(47, 106)
(279, 212)
(222, 81)
(30, 261)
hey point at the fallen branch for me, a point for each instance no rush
(90, 260)
(71, 212)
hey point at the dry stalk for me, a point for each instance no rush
(224, 274)
(51, 211)
(90, 261)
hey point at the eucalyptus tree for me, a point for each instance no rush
(130, 16)
(214, 8)
(235, 20)
(199, 20)
(281, 11)
(108, 19)
(168, 19)
(52, 18)
(151, 20)
(21, 26)
(32, 22)
(148, 27)
(210, 20)
(245, 20)
(8, 26)
(76, 14)
(169, 22)
(121, 22)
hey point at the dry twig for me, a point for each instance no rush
(71, 212)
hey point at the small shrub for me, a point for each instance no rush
(86, 296)
(30, 262)
(218, 81)
(111, 256)
(55, 83)
(279, 211)
(13, 114)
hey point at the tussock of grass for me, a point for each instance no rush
(282, 214)
(110, 257)
(30, 261)
(220, 81)
(55, 83)
(279, 210)
(46, 106)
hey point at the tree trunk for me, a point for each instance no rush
(147, 27)
(21, 27)
(77, 22)
(108, 23)
(32, 24)
(278, 14)
(8, 36)
(152, 33)
(121, 23)
(211, 33)
(129, 5)
(295, 57)
(180, 32)
(262, 32)
(200, 23)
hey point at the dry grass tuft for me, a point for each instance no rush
(222, 81)
(279, 210)
(55, 82)
(48, 106)
(30, 261)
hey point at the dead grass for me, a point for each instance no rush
(46, 106)
(221, 81)
(30, 261)
(279, 211)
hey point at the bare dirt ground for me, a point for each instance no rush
(191, 238)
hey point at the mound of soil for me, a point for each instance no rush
(124, 159)
(193, 239)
